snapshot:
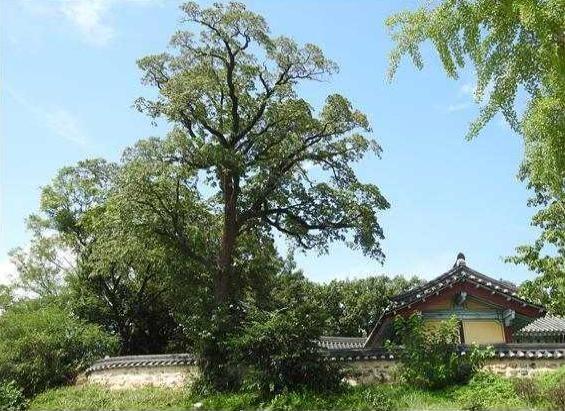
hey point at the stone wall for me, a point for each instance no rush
(362, 366)
(358, 372)
(523, 367)
(133, 377)
(371, 371)
(164, 370)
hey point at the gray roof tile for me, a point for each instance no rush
(337, 343)
(547, 324)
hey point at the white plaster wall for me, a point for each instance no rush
(358, 372)
(132, 377)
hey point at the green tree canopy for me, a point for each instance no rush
(228, 87)
(354, 306)
(517, 49)
(512, 45)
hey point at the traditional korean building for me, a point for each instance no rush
(489, 310)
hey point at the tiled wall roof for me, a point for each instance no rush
(513, 350)
(545, 325)
(136, 361)
(336, 343)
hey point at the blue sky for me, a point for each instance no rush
(69, 79)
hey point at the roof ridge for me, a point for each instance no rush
(427, 284)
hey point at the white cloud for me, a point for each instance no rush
(7, 271)
(467, 89)
(90, 18)
(64, 124)
(58, 119)
(457, 107)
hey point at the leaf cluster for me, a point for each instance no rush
(430, 356)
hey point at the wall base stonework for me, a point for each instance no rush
(523, 368)
(135, 377)
(368, 371)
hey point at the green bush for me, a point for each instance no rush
(42, 345)
(11, 397)
(280, 352)
(527, 389)
(552, 388)
(488, 391)
(429, 357)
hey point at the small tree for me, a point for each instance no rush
(430, 356)
(281, 353)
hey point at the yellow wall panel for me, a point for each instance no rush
(483, 332)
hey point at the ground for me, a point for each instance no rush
(484, 392)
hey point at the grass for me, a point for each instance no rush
(485, 391)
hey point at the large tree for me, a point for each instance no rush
(229, 89)
(124, 260)
(517, 48)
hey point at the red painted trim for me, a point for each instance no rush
(471, 290)
(508, 334)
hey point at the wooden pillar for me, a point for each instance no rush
(508, 334)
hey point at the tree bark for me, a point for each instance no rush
(224, 276)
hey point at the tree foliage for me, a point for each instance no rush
(42, 345)
(241, 130)
(517, 48)
(512, 45)
(229, 91)
(548, 288)
(354, 306)
(429, 356)
(43, 267)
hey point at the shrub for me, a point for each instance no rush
(280, 351)
(527, 388)
(488, 391)
(429, 357)
(373, 398)
(42, 345)
(11, 397)
(552, 387)
(556, 397)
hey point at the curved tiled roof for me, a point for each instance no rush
(546, 325)
(135, 361)
(334, 343)
(524, 351)
(456, 274)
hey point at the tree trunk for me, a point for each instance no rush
(224, 276)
